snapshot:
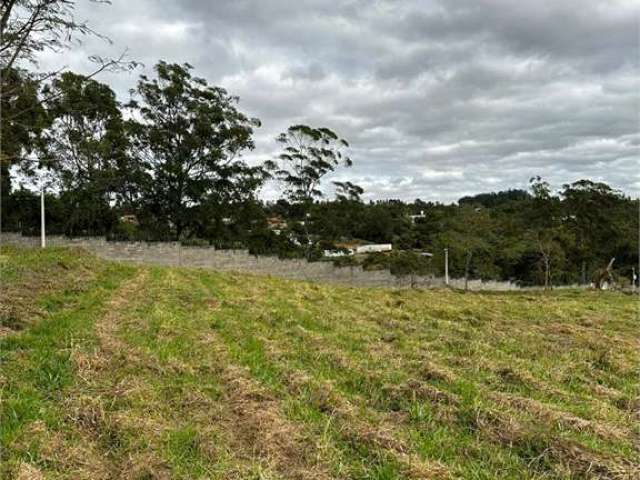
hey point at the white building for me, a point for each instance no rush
(337, 253)
(417, 217)
(374, 248)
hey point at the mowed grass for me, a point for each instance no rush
(115, 371)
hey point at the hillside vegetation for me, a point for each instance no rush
(114, 371)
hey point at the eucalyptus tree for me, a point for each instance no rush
(308, 154)
(592, 215)
(18, 139)
(348, 191)
(27, 29)
(469, 236)
(189, 138)
(85, 148)
(547, 233)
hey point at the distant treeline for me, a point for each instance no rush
(557, 239)
(168, 165)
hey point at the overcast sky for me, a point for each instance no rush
(439, 99)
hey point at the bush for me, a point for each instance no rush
(408, 263)
(267, 242)
(194, 242)
(376, 261)
(315, 253)
(123, 232)
(398, 263)
(349, 261)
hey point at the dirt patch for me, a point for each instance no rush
(213, 304)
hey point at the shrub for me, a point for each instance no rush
(349, 261)
(398, 263)
(194, 242)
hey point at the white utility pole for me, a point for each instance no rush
(43, 241)
(446, 266)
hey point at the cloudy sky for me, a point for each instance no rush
(439, 99)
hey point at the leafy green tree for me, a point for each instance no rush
(409, 263)
(469, 237)
(28, 27)
(24, 212)
(494, 199)
(546, 232)
(84, 147)
(189, 138)
(308, 155)
(376, 224)
(21, 124)
(590, 214)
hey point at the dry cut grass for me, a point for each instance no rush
(132, 372)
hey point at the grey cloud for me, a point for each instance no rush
(438, 99)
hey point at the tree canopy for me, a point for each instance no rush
(171, 164)
(189, 138)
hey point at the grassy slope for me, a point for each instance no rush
(113, 371)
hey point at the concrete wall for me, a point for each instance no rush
(174, 254)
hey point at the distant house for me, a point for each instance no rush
(374, 248)
(417, 217)
(353, 248)
(276, 224)
(337, 253)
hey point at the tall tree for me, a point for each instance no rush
(28, 28)
(547, 233)
(20, 96)
(308, 155)
(469, 236)
(189, 138)
(85, 147)
(590, 213)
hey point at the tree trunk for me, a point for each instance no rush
(179, 229)
(547, 272)
(467, 267)
(605, 275)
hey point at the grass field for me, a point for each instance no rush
(115, 371)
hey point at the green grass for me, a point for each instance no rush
(115, 371)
